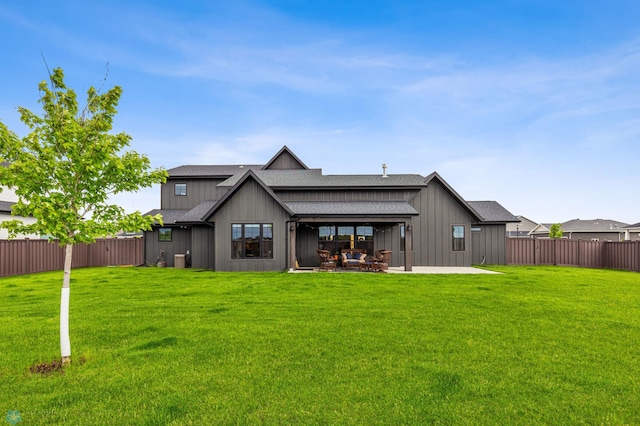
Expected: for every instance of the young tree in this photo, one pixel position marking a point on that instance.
(555, 231)
(64, 170)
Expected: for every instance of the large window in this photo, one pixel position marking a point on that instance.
(164, 234)
(458, 237)
(346, 237)
(180, 189)
(251, 240)
(364, 238)
(327, 237)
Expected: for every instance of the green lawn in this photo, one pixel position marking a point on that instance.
(163, 346)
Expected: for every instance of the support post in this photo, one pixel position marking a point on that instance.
(408, 254)
(292, 245)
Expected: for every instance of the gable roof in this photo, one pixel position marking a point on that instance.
(435, 176)
(492, 211)
(284, 151)
(249, 175)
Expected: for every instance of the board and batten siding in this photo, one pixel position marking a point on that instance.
(250, 204)
(203, 247)
(198, 190)
(179, 244)
(387, 237)
(488, 245)
(285, 161)
(432, 230)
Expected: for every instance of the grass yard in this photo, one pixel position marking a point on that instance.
(162, 346)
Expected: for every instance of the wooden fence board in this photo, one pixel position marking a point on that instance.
(623, 255)
(19, 257)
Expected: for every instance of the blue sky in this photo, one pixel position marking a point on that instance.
(535, 104)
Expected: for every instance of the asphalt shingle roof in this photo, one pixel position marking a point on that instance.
(210, 170)
(593, 225)
(169, 217)
(314, 178)
(351, 208)
(492, 211)
(196, 213)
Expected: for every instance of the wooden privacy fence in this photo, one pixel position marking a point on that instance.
(28, 256)
(590, 254)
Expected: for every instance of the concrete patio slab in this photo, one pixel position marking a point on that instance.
(416, 270)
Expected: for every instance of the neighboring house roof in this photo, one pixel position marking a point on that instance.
(635, 225)
(593, 225)
(5, 206)
(319, 208)
(492, 211)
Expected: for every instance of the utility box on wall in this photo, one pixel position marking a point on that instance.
(179, 261)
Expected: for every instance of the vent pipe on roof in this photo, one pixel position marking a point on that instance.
(384, 170)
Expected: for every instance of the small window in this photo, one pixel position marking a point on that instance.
(180, 189)
(164, 234)
(458, 238)
(476, 229)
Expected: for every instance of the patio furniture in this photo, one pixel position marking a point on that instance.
(384, 258)
(371, 265)
(352, 258)
(326, 260)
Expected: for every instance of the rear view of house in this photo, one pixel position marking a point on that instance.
(276, 216)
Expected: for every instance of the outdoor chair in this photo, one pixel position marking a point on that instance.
(384, 258)
(326, 261)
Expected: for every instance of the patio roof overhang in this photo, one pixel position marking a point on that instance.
(341, 211)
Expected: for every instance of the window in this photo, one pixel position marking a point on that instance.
(164, 234)
(458, 238)
(346, 237)
(180, 189)
(364, 238)
(251, 240)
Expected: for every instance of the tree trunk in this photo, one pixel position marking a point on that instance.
(65, 343)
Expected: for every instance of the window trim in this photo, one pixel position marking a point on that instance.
(160, 234)
(454, 238)
(175, 189)
(242, 240)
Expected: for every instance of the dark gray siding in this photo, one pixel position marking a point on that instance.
(203, 247)
(198, 190)
(346, 195)
(432, 230)
(489, 245)
(387, 237)
(306, 246)
(180, 243)
(285, 161)
(251, 204)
